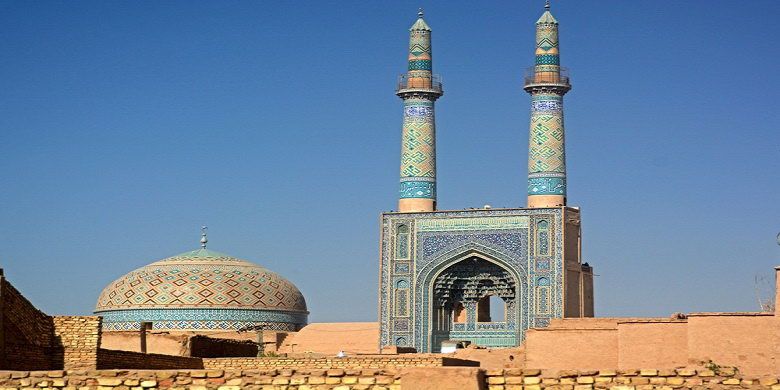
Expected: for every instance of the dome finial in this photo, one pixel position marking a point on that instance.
(420, 13)
(547, 5)
(203, 239)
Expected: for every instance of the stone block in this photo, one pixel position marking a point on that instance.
(648, 372)
(609, 373)
(583, 387)
(731, 381)
(148, 383)
(513, 372)
(675, 381)
(109, 381)
(384, 380)
(585, 380)
(638, 380)
(727, 371)
(706, 373)
(496, 380)
(686, 372)
(280, 381)
(532, 380)
(531, 372)
(768, 381)
(349, 380)
(368, 380)
(336, 372)
(316, 380)
(513, 380)
(532, 387)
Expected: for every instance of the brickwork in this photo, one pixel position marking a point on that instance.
(110, 359)
(77, 339)
(369, 362)
(27, 333)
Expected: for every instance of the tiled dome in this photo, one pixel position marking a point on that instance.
(201, 289)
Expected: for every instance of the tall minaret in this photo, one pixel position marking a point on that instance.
(546, 146)
(419, 89)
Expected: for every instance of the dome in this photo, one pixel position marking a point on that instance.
(202, 289)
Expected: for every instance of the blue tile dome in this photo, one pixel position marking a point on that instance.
(202, 290)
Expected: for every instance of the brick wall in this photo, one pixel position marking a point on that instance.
(27, 333)
(77, 339)
(368, 362)
(109, 359)
(208, 347)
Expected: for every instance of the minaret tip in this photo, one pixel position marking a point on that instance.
(547, 5)
(203, 239)
(420, 13)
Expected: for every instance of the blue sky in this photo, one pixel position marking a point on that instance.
(127, 125)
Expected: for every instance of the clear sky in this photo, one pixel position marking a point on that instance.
(126, 125)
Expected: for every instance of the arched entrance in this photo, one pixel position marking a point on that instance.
(461, 301)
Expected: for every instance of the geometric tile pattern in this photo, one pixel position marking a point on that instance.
(217, 286)
(507, 238)
(205, 319)
(546, 145)
(418, 136)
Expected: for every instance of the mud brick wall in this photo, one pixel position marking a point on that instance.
(368, 362)
(646, 379)
(26, 333)
(109, 359)
(207, 347)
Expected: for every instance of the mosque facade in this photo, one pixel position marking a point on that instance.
(439, 269)
(202, 290)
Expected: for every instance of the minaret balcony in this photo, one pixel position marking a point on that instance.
(419, 85)
(539, 80)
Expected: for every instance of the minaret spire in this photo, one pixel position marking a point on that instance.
(547, 83)
(419, 88)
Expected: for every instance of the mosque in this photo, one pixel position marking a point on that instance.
(439, 270)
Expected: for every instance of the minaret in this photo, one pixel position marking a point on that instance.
(546, 146)
(419, 89)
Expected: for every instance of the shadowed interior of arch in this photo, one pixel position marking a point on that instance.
(475, 300)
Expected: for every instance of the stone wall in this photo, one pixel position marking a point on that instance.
(110, 359)
(720, 378)
(443, 378)
(357, 362)
(206, 379)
